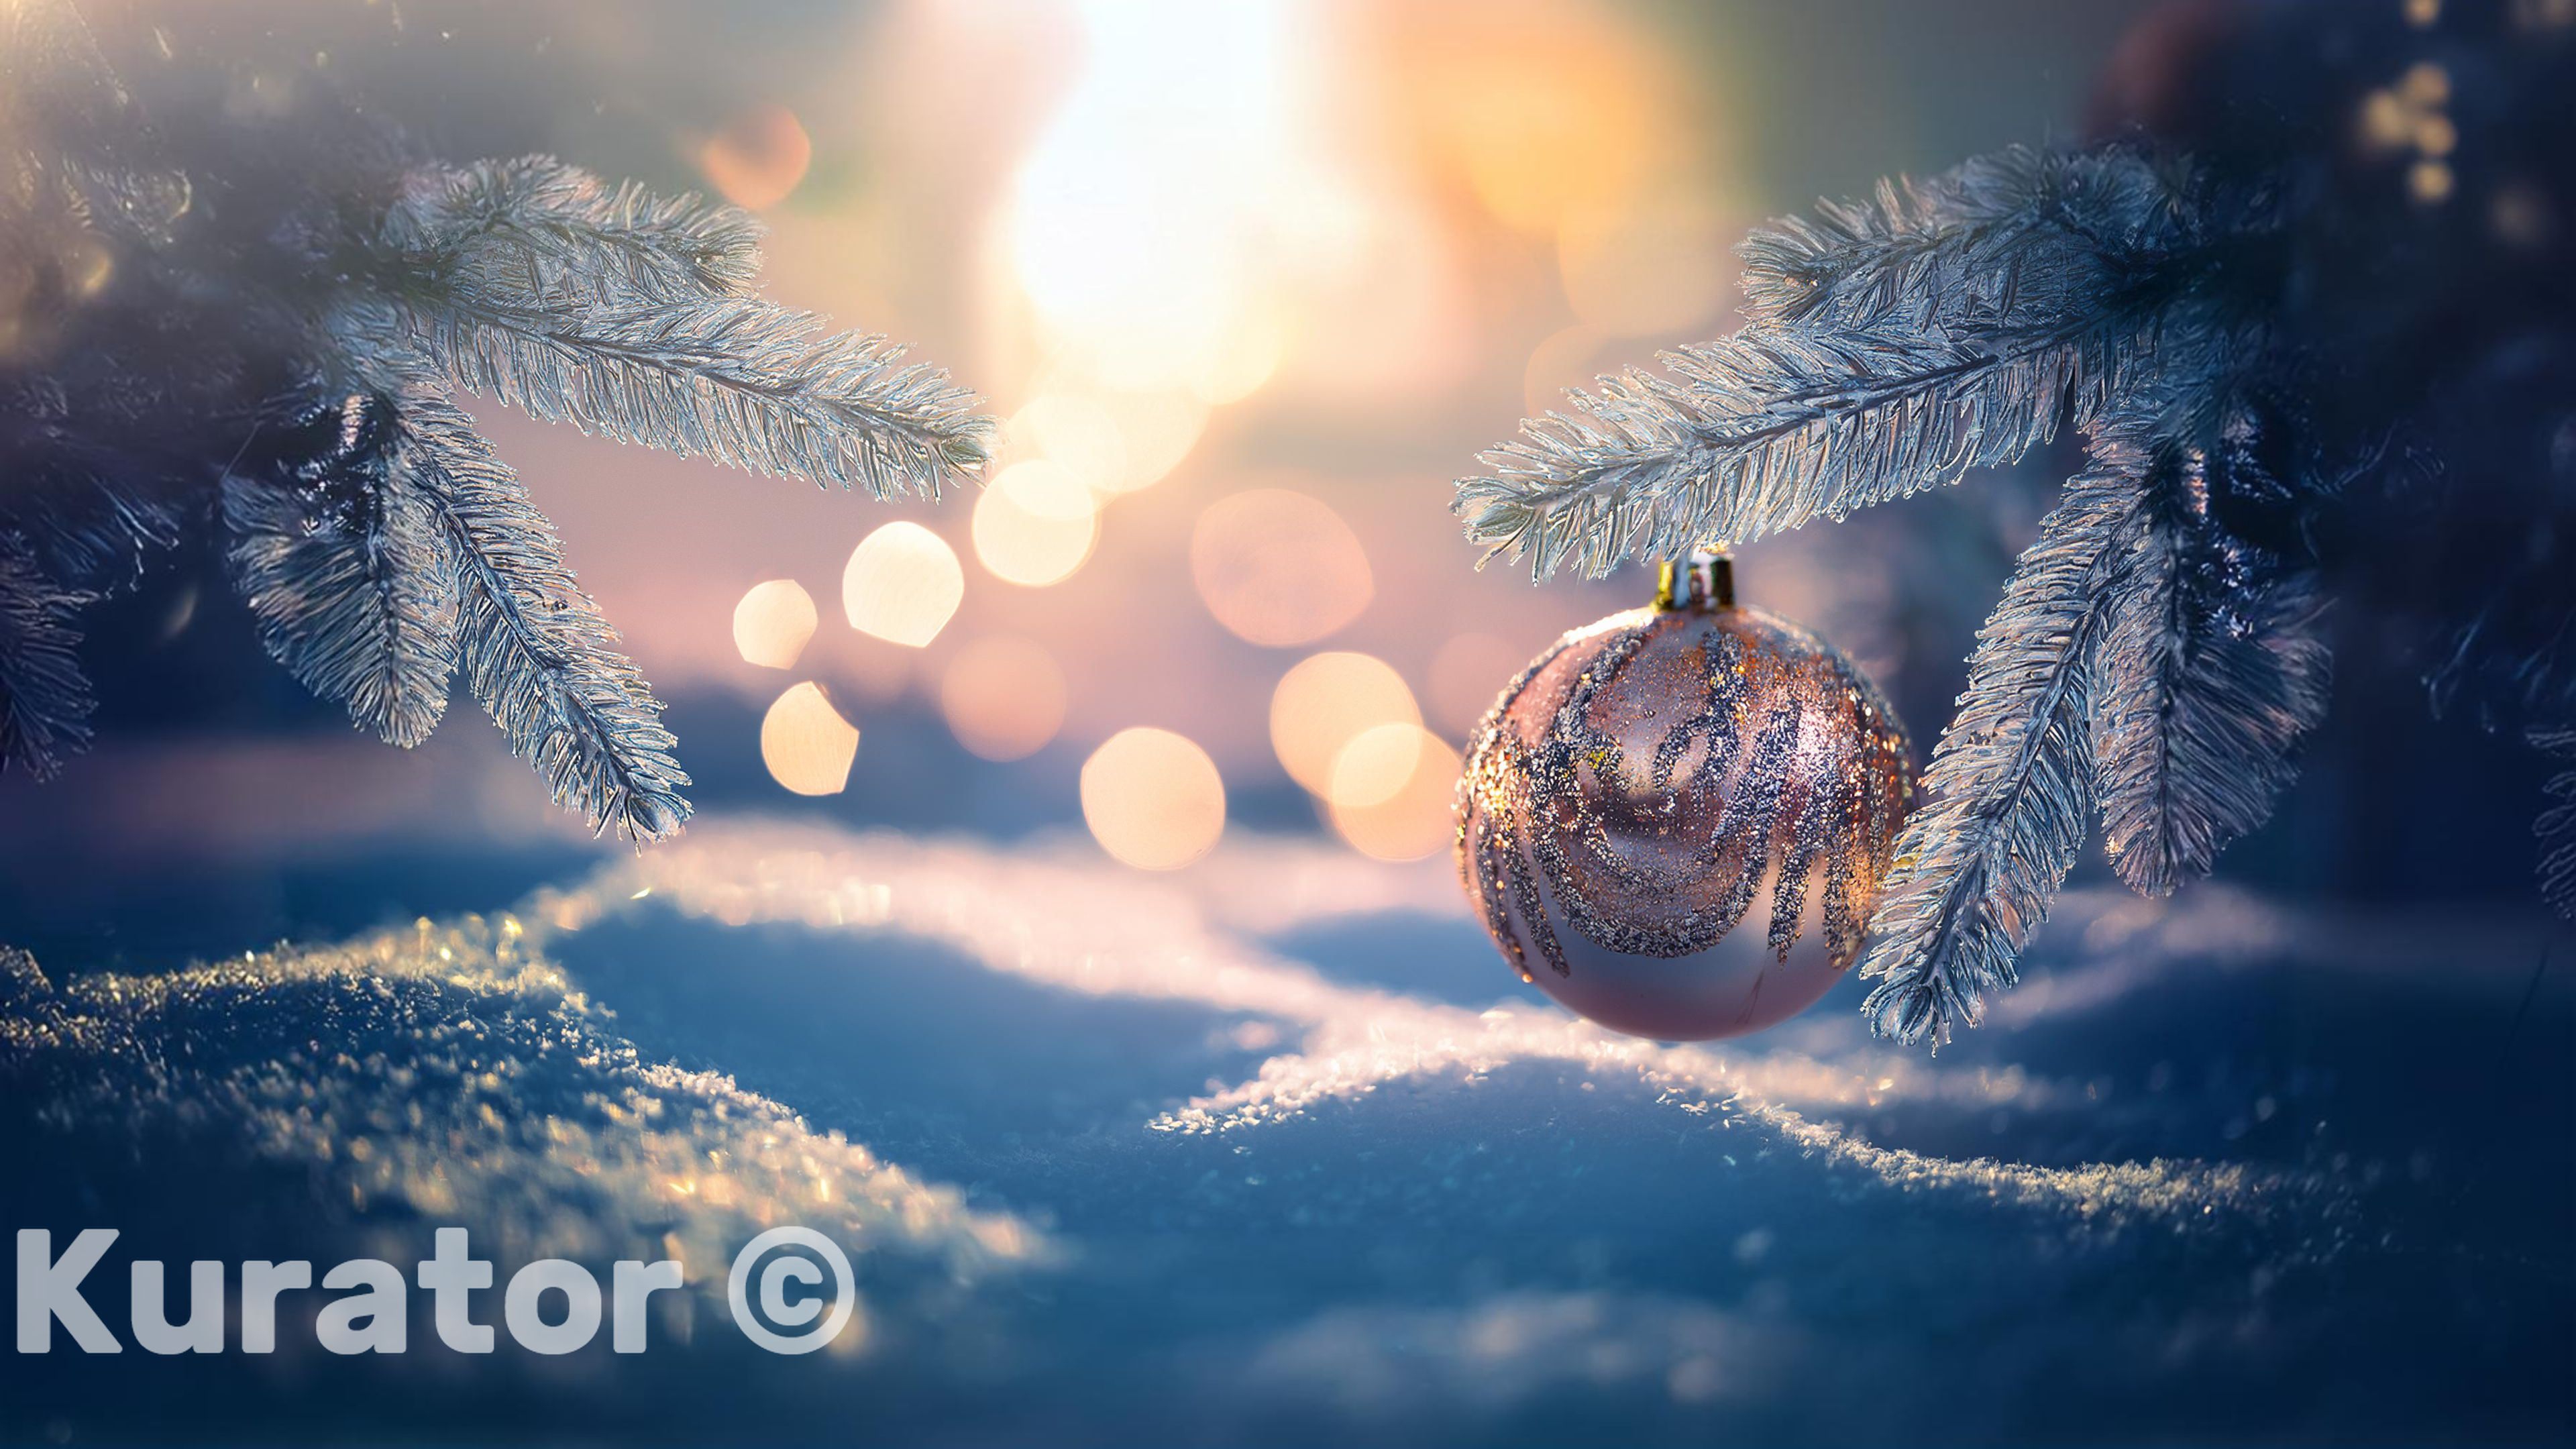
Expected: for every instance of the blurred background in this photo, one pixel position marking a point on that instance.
(1167, 715)
(1250, 284)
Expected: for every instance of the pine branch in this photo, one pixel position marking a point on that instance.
(351, 581)
(2009, 790)
(2020, 233)
(629, 315)
(44, 698)
(1889, 348)
(2557, 824)
(740, 380)
(534, 648)
(1762, 432)
(557, 233)
(2206, 682)
(96, 537)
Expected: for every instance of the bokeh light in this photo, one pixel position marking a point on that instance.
(1376, 764)
(1003, 697)
(1279, 568)
(1412, 820)
(902, 584)
(1113, 439)
(1035, 524)
(1326, 702)
(1545, 109)
(773, 622)
(805, 742)
(1153, 799)
(1173, 195)
(758, 156)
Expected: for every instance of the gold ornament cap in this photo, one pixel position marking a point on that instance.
(1705, 581)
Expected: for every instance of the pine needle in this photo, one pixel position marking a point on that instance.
(535, 650)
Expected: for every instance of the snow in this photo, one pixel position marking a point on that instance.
(1277, 1148)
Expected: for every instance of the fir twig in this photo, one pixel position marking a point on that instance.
(44, 698)
(2206, 683)
(1759, 434)
(2009, 789)
(740, 380)
(2003, 240)
(1889, 348)
(557, 232)
(532, 283)
(2557, 824)
(535, 650)
(352, 583)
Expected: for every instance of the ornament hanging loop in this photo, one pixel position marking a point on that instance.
(1705, 581)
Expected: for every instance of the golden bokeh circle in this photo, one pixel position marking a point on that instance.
(1279, 568)
(1324, 703)
(1153, 799)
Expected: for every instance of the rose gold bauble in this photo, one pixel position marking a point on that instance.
(1675, 820)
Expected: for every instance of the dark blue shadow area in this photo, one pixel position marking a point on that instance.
(1439, 1197)
(1443, 958)
(910, 1047)
(1223, 1288)
(76, 919)
(2453, 1075)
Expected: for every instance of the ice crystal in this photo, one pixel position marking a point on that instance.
(266, 318)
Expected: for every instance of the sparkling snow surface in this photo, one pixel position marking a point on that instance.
(1276, 1149)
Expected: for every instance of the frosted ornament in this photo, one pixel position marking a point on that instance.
(1675, 821)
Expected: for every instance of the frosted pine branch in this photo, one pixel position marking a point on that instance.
(1890, 347)
(44, 697)
(351, 580)
(535, 650)
(556, 233)
(2010, 789)
(2143, 653)
(1761, 433)
(2206, 684)
(263, 314)
(740, 380)
(2019, 234)
(2557, 824)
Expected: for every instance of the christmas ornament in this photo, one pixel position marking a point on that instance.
(2305, 301)
(1675, 820)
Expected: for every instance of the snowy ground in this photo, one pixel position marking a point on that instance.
(1277, 1150)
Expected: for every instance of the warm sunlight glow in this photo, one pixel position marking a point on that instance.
(1328, 701)
(806, 744)
(1546, 110)
(1035, 524)
(1153, 799)
(1165, 223)
(1003, 697)
(772, 623)
(1649, 267)
(902, 584)
(1115, 440)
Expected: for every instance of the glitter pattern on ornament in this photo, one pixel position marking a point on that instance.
(1675, 821)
